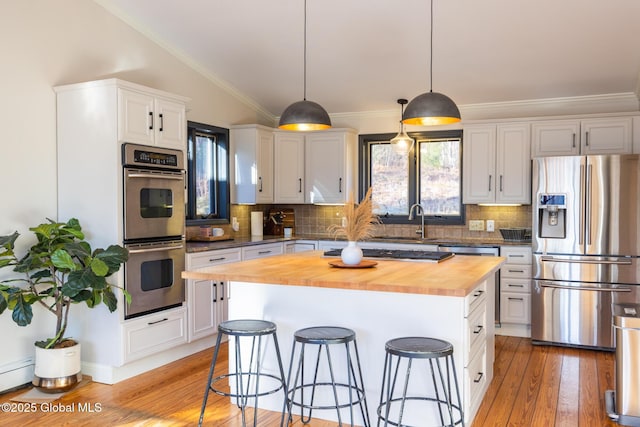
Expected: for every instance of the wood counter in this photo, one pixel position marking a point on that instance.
(453, 277)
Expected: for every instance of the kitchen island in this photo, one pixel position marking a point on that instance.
(451, 300)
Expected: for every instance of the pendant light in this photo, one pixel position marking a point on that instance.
(431, 108)
(402, 143)
(305, 115)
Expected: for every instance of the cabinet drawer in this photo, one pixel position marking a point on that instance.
(516, 254)
(209, 258)
(515, 308)
(262, 251)
(475, 380)
(154, 333)
(515, 271)
(515, 285)
(475, 298)
(475, 334)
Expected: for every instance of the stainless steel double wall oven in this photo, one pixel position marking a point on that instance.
(153, 227)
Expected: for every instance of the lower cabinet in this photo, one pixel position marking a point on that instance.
(515, 285)
(207, 299)
(475, 372)
(154, 333)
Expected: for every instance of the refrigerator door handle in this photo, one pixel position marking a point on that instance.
(582, 206)
(588, 206)
(583, 288)
(623, 261)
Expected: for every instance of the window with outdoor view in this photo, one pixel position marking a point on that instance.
(430, 175)
(207, 174)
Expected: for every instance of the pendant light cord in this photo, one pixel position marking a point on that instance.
(430, 52)
(304, 97)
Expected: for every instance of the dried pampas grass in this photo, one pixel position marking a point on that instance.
(360, 220)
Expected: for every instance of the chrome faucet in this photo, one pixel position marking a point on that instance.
(421, 213)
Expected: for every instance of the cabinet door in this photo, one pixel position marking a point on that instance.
(136, 120)
(264, 178)
(325, 168)
(513, 164)
(607, 136)
(478, 157)
(515, 308)
(202, 297)
(170, 124)
(289, 168)
(555, 138)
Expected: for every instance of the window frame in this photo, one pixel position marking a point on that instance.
(364, 179)
(222, 189)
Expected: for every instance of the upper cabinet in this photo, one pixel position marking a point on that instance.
(611, 135)
(289, 167)
(330, 166)
(252, 164)
(497, 164)
(147, 118)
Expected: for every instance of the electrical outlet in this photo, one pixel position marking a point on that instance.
(476, 225)
(490, 226)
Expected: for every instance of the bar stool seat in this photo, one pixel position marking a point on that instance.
(345, 392)
(245, 378)
(393, 403)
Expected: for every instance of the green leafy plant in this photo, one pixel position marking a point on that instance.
(59, 270)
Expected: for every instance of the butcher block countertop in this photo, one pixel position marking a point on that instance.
(456, 276)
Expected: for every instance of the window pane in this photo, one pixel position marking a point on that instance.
(440, 164)
(389, 180)
(204, 175)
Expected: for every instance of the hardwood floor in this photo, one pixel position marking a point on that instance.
(532, 386)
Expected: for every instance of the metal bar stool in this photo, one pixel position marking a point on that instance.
(246, 378)
(392, 405)
(343, 395)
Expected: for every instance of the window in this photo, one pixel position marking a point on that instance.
(207, 174)
(430, 174)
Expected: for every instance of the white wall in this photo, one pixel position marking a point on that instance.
(46, 43)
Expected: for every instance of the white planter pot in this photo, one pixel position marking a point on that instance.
(57, 369)
(352, 254)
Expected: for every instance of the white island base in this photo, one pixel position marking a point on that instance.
(376, 317)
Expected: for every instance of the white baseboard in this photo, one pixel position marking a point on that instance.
(16, 373)
(513, 330)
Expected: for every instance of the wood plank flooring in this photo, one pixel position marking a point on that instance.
(532, 386)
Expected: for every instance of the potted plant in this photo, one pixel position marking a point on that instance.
(58, 270)
(359, 225)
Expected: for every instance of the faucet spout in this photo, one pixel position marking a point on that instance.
(418, 207)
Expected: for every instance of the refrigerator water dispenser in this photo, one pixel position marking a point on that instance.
(552, 217)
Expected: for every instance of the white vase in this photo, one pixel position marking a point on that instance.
(352, 254)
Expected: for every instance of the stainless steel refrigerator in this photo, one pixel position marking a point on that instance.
(586, 236)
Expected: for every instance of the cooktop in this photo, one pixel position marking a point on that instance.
(399, 254)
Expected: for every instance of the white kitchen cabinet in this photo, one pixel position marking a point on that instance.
(262, 251)
(330, 166)
(608, 135)
(252, 164)
(147, 118)
(497, 164)
(515, 285)
(289, 167)
(300, 246)
(207, 300)
(154, 333)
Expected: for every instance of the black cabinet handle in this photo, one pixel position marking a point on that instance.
(340, 186)
(478, 329)
(157, 321)
(299, 185)
(161, 122)
(260, 188)
(479, 377)
(150, 119)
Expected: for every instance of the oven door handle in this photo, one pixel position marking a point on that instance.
(155, 249)
(156, 175)
(586, 261)
(583, 288)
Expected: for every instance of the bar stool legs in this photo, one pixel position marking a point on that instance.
(391, 409)
(323, 337)
(247, 378)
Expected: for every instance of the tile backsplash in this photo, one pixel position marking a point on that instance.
(314, 220)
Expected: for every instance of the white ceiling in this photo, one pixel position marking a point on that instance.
(362, 55)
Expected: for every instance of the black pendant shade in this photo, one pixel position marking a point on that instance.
(305, 115)
(431, 108)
